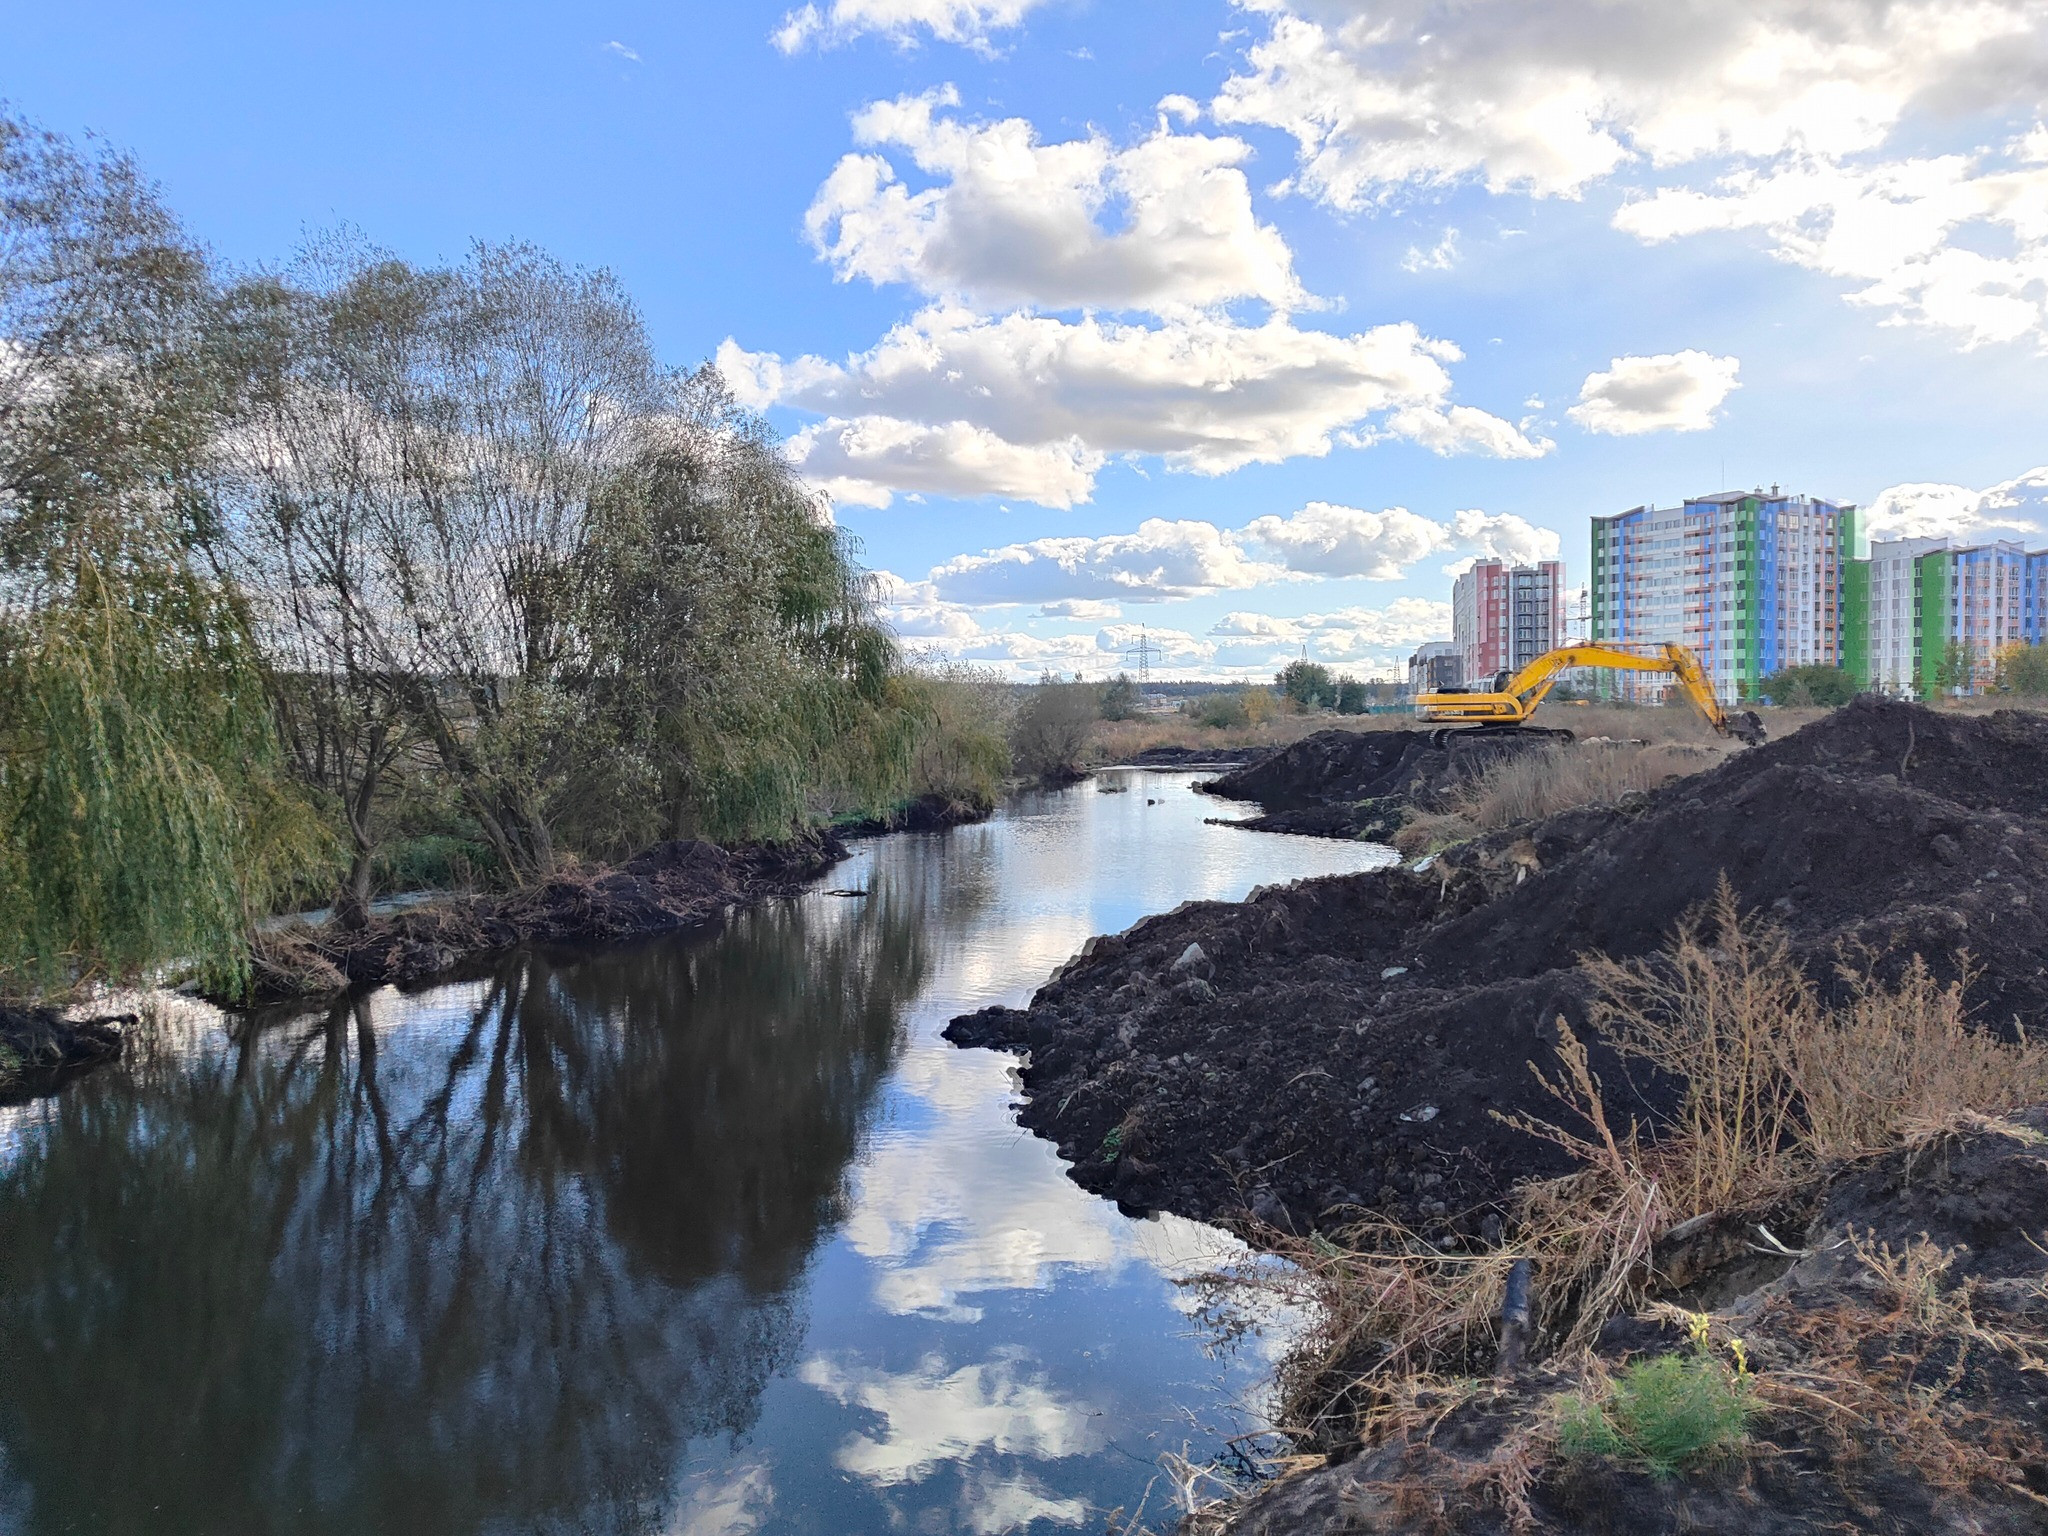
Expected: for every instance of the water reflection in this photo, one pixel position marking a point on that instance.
(711, 1235)
(494, 1278)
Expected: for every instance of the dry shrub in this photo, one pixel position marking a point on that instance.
(1903, 1060)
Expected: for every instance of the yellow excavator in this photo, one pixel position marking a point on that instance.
(1510, 703)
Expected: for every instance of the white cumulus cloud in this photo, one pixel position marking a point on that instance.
(1203, 392)
(2012, 509)
(1550, 97)
(1326, 540)
(1161, 223)
(1670, 392)
(1161, 561)
(1165, 561)
(970, 23)
(866, 461)
(1956, 241)
(1803, 98)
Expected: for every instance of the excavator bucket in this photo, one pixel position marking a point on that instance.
(1747, 727)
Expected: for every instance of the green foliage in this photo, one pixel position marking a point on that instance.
(961, 749)
(2023, 669)
(1232, 709)
(1353, 697)
(1120, 698)
(361, 546)
(1957, 668)
(1800, 687)
(436, 861)
(1049, 736)
(1667, 1413)
(1113, 1144)
(1308, 684)
(140, 820)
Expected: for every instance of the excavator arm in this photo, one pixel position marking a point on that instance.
(1513, 699)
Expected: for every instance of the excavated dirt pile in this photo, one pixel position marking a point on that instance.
(1341, 1043)
(669, 886)
(1889, 1359)
(1361, 783)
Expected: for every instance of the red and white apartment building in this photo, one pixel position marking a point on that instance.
(1504, 616)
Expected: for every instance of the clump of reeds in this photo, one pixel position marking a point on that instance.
(1532, 785)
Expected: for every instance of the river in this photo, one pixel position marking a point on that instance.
(710, 1234)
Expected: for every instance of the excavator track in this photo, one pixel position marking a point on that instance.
(1443, 736)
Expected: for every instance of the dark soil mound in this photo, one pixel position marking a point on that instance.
(669, 886)
(1343, 1041)
(1361, 783)
(1946, 1354)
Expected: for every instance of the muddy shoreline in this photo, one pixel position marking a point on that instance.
(40, 1047)
(1344, 1044)
(668, 887)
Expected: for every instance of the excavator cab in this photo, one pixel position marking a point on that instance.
(1512, 700)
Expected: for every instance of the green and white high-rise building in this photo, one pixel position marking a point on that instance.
(1939, 613)
(1751, 581)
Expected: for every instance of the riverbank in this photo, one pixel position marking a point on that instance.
(39, 1046)
(1404, 1006)
(669, 886)
(1869, 1358)
(1341, 1070)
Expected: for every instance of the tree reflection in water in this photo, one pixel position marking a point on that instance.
(483, 1260)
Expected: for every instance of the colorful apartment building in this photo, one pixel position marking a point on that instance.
(1937, 614)
(1504, 616)
(1751, 581)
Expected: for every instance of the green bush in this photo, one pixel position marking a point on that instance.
(1049, 734)
(435, 862)
(1233, 709)
(1308, 683)
(2023, 669)
(1804, 686)
(1666, 1414)
(1120, 698)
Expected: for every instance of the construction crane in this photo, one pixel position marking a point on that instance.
(1511, 702)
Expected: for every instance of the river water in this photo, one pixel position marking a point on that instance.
(711, 1234)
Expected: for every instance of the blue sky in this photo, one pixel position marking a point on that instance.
(1221, 368)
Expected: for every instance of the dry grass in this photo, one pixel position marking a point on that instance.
(1780, 1089)
(1895, 1371)
(1116, 741)
(1533, 785)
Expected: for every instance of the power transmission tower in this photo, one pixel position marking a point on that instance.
(1142, 653)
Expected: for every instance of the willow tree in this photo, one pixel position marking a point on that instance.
(138, 820)
(474, 512)
(318, 491)
(733, 655)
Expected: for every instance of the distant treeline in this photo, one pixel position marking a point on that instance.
(351, 572)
